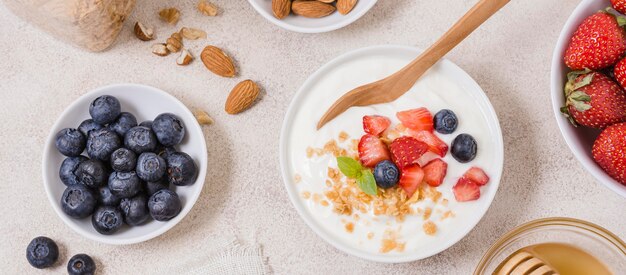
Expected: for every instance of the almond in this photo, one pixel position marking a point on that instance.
(241, 97)
(312, 9)
(326, 1)
(143, 32)
(281, 8)
(345, 6)
(185, 58)
(170, 15)
(217, 61)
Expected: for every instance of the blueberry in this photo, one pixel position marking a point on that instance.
(81, 264)
(91, 173)
(181, 170)
(169, 129)
(107, 198)
(101, 144)
(153, 187)
(150, 167)
(67, 172)
(87, 126)
(135, 210)
(464, 148)
(107, 220)
(386, 174)
(42, 252)
(124, 184)
(105, 109)
(147, 123)
(445, 121)
(70, 142)
(123, 160)
(140, 139)
(164, 205)
(78, 201)
(163, 151)
(123, 123)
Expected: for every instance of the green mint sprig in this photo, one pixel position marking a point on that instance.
(363, 176)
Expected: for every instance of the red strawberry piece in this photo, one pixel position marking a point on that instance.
(435, 144)
(619, 5)
(477, 175)
(620, 72)
(411, 179)
(435, 171)
(609, 150)
(406, 150)
(372, 150)
(466, 190)
(417, 119)
(598, 43)
(593, 100)
(374, 125)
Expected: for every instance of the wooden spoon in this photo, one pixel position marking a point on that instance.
(390, 88)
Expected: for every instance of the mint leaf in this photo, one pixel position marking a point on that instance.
(367, 183)
(349, 167)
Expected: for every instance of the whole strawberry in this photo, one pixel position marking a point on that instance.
(619, 5)
(599, 42)
(593, 100)
(609, 151)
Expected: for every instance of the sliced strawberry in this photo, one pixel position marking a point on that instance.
(435, 171)
(477, 175)
(419, 119)
(406, 150)
(372, 150)
(466, 190)
(374, 125)
(435, 144)
(411, 179)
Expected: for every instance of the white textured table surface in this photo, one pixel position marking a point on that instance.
(509, 57)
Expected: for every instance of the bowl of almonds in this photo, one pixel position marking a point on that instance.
(312, 16)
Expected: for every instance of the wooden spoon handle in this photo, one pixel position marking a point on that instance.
(461, 29)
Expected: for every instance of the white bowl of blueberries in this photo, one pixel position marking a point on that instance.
(124, 163)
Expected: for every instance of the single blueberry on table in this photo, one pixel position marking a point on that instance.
(169, 129)
(70, 142)
(87, 126)
(124, 184)
(164, 205)
(150, 167)
(78, 201)
(107, 198)
(123, 160)
(464, 148)
(123, 123)
(81, 264)
(42, 252)
(107, 220)
(386, 174)
(67, 172)
(445, 121)
(140, 139)
(153, 187)
(92, 173)
(181, 169)
(105, 109)
(147, 123)
(101, 144)
(135, 210)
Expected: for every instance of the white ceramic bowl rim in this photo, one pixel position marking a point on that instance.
(149, 235)
(309, 220)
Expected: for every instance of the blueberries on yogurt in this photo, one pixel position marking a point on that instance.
(464, 148)
(445, 121)
(70, 142)
(386, 174)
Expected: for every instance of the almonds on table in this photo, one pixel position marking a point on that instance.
(312, 9)
(207, 8)
(217, 61)
(170, 15)
(160, 49)
(143, 32)
(345, 6)
(202, 117)
(185, 58)
(241, 97)
(281, 8)
(174, 43)
(192, 34)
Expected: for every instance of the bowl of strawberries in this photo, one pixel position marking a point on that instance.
(588, 84)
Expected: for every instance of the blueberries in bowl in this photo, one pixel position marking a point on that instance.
(124, 184)
(147, 123)
(445, 121)
(123, 160)
(464, 148)
(105, 109)
(140, 139)
(70, 142)
(81, 264)
(87, 126)
(107, 198)
(91, 173)
(164, 205)
(78, 201)
(135, 210)
(42, 252)
(169, 129)
(101, 144)
(67, 172)
(123, 123)
(107, 220)
(150, 167)
(181, 170)
(154, 186)
(386, 174)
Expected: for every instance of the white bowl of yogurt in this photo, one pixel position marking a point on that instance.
(444, 86)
